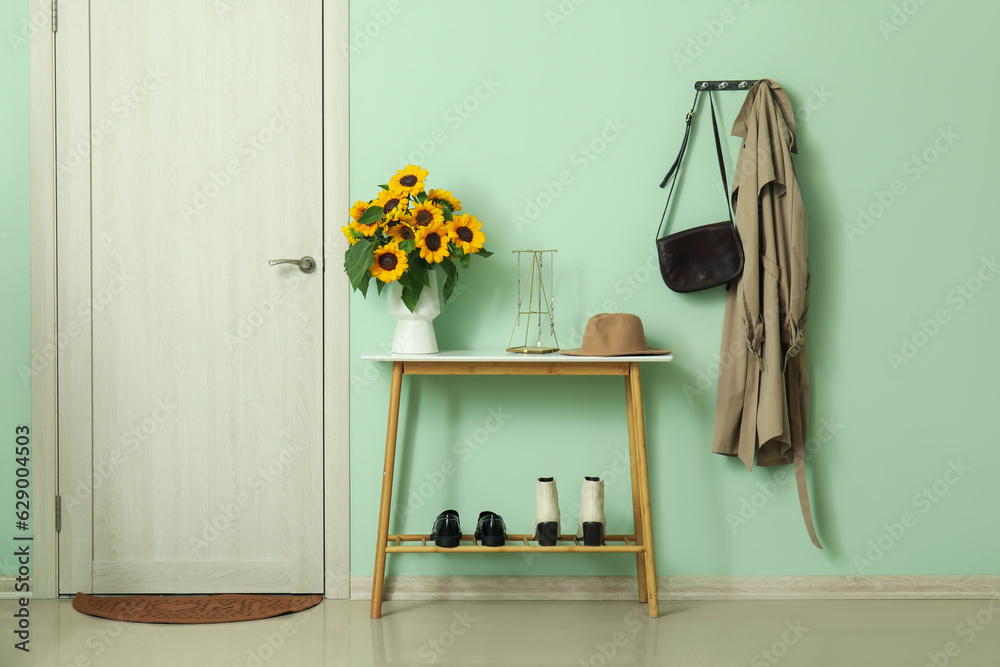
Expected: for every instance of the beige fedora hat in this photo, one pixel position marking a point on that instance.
(614, 335)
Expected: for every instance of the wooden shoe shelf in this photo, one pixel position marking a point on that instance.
(490, 363)
(398, 544)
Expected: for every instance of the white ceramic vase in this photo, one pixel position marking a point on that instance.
(415, 331)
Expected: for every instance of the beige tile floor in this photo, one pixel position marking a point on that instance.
(717, 634)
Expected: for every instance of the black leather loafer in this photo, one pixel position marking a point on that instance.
(447, 530)
(490, 530)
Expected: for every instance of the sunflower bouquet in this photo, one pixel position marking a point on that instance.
(405, 232)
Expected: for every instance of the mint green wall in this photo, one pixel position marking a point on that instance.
(554, 87)
(868, 98)
(15, 322)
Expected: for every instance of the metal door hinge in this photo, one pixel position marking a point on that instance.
(55, 15)
(58, 513)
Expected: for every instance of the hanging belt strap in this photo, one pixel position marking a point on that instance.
(675, 167)
(798, 454)
(684, 143)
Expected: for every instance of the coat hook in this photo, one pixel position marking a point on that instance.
(743, 84)
(723, 85)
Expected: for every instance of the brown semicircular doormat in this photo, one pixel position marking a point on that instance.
(225, 608)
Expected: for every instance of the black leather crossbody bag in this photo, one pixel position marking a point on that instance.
(702, 257)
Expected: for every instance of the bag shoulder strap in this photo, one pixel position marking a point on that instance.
(722, 161)
(675, 167)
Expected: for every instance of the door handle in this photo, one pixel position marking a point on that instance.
(306, 265)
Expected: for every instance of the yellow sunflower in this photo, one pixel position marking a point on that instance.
(390, 262)
(402, 232)
(445, 196)
(432, 241)
(408, 181)
(426, 213)
(393, 204)
(366, 230)
(465, 230)
(359, 209)
(352, 233)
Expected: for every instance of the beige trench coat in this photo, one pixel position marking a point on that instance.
(762, 405)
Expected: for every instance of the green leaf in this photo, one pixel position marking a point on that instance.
(371, 216)
(379, 285)
(364, 283)
(411, 295)
(451, 271)
(447, 212)
(407, 246)
(465, 260)
(418, 274)
(405, 280)
(357, 260)
(384, 186)
(421, 197)
(483, 252)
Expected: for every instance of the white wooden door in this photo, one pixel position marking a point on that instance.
(207, 362)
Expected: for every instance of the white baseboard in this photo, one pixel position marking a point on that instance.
(889, 587)
(7, 588)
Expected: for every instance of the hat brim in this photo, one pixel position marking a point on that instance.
(637, 353)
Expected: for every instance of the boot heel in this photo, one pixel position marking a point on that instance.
(548, 533)
(592, 533)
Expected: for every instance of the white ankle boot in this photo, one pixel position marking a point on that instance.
(592, 519)
(546, 512)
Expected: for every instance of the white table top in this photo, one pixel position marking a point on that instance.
(503, 356)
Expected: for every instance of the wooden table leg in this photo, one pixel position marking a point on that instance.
(647, 519)
(387, 470)
(633, 457)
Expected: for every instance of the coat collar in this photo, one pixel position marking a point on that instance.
(769, 93)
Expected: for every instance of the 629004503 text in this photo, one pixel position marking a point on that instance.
(22, 538)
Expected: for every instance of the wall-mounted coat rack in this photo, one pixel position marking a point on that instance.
(743, 84)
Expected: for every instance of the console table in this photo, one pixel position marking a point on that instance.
(507, 363)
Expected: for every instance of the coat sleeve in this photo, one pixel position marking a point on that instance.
(797, 309)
